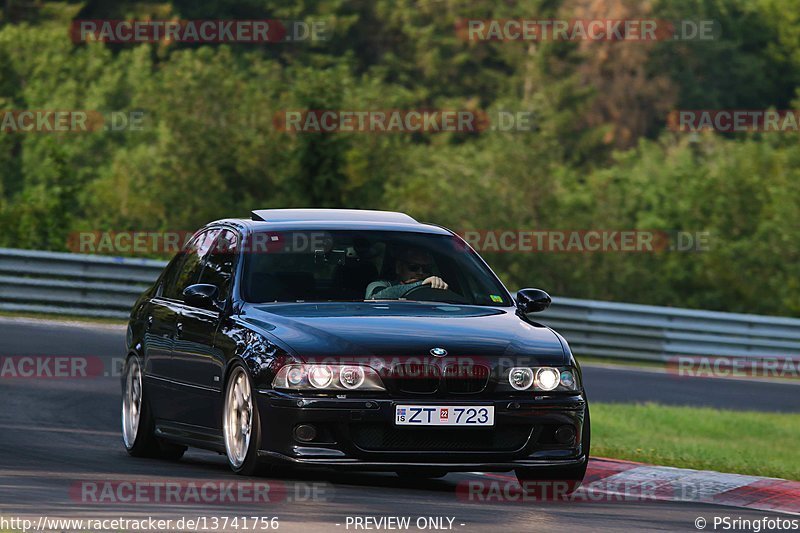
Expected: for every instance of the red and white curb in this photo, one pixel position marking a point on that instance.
(682, 484)
(609, 480)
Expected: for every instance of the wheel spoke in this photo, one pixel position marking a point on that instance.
(238, 418)
(131, 403)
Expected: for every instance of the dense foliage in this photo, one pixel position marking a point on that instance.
(600, 155)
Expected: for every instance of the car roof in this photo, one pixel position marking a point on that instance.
(334, 219)
(330, 215)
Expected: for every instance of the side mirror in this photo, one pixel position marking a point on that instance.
(532, 301)
(202, 295)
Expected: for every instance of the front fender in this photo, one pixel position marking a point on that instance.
(262, 357)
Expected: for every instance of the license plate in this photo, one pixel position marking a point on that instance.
(449, 415)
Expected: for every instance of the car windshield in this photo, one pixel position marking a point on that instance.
(303, 266)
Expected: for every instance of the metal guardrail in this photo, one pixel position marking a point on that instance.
(99, 286)
(73, 284)
(646, 332)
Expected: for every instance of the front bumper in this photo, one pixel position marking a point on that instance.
(360, 434)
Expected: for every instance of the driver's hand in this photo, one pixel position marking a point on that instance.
(435, 282)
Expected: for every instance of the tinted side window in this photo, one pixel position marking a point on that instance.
(220, 263)
(188, 268)
(169, 274)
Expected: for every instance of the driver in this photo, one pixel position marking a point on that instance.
(412, 267)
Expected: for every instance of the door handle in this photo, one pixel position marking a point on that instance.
(178, 329)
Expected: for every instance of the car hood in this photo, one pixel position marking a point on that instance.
(397, 329)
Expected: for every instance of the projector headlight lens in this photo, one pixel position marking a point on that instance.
(521, 378)
(547, 379)
(351, 377)
(295, 375)
(320, 376)
(567, 379)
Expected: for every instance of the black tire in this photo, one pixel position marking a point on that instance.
(573, 475)
(145, 443)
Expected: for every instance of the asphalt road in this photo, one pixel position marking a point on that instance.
(627, 385)
(59, 436)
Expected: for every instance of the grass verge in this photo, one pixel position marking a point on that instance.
(761, 444)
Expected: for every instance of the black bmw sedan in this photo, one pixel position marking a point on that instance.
(349, 339)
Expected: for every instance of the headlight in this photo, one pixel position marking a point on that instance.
(295, 375)
(520, 378)
(542, 378)
(547, 379)
(327, 377)
(320, 376)
(352, 377)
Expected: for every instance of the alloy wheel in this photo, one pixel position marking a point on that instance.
(238, 419)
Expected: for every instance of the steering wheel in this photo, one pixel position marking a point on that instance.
(428, 293)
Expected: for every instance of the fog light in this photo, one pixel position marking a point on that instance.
(565, 435)
(305, 433)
